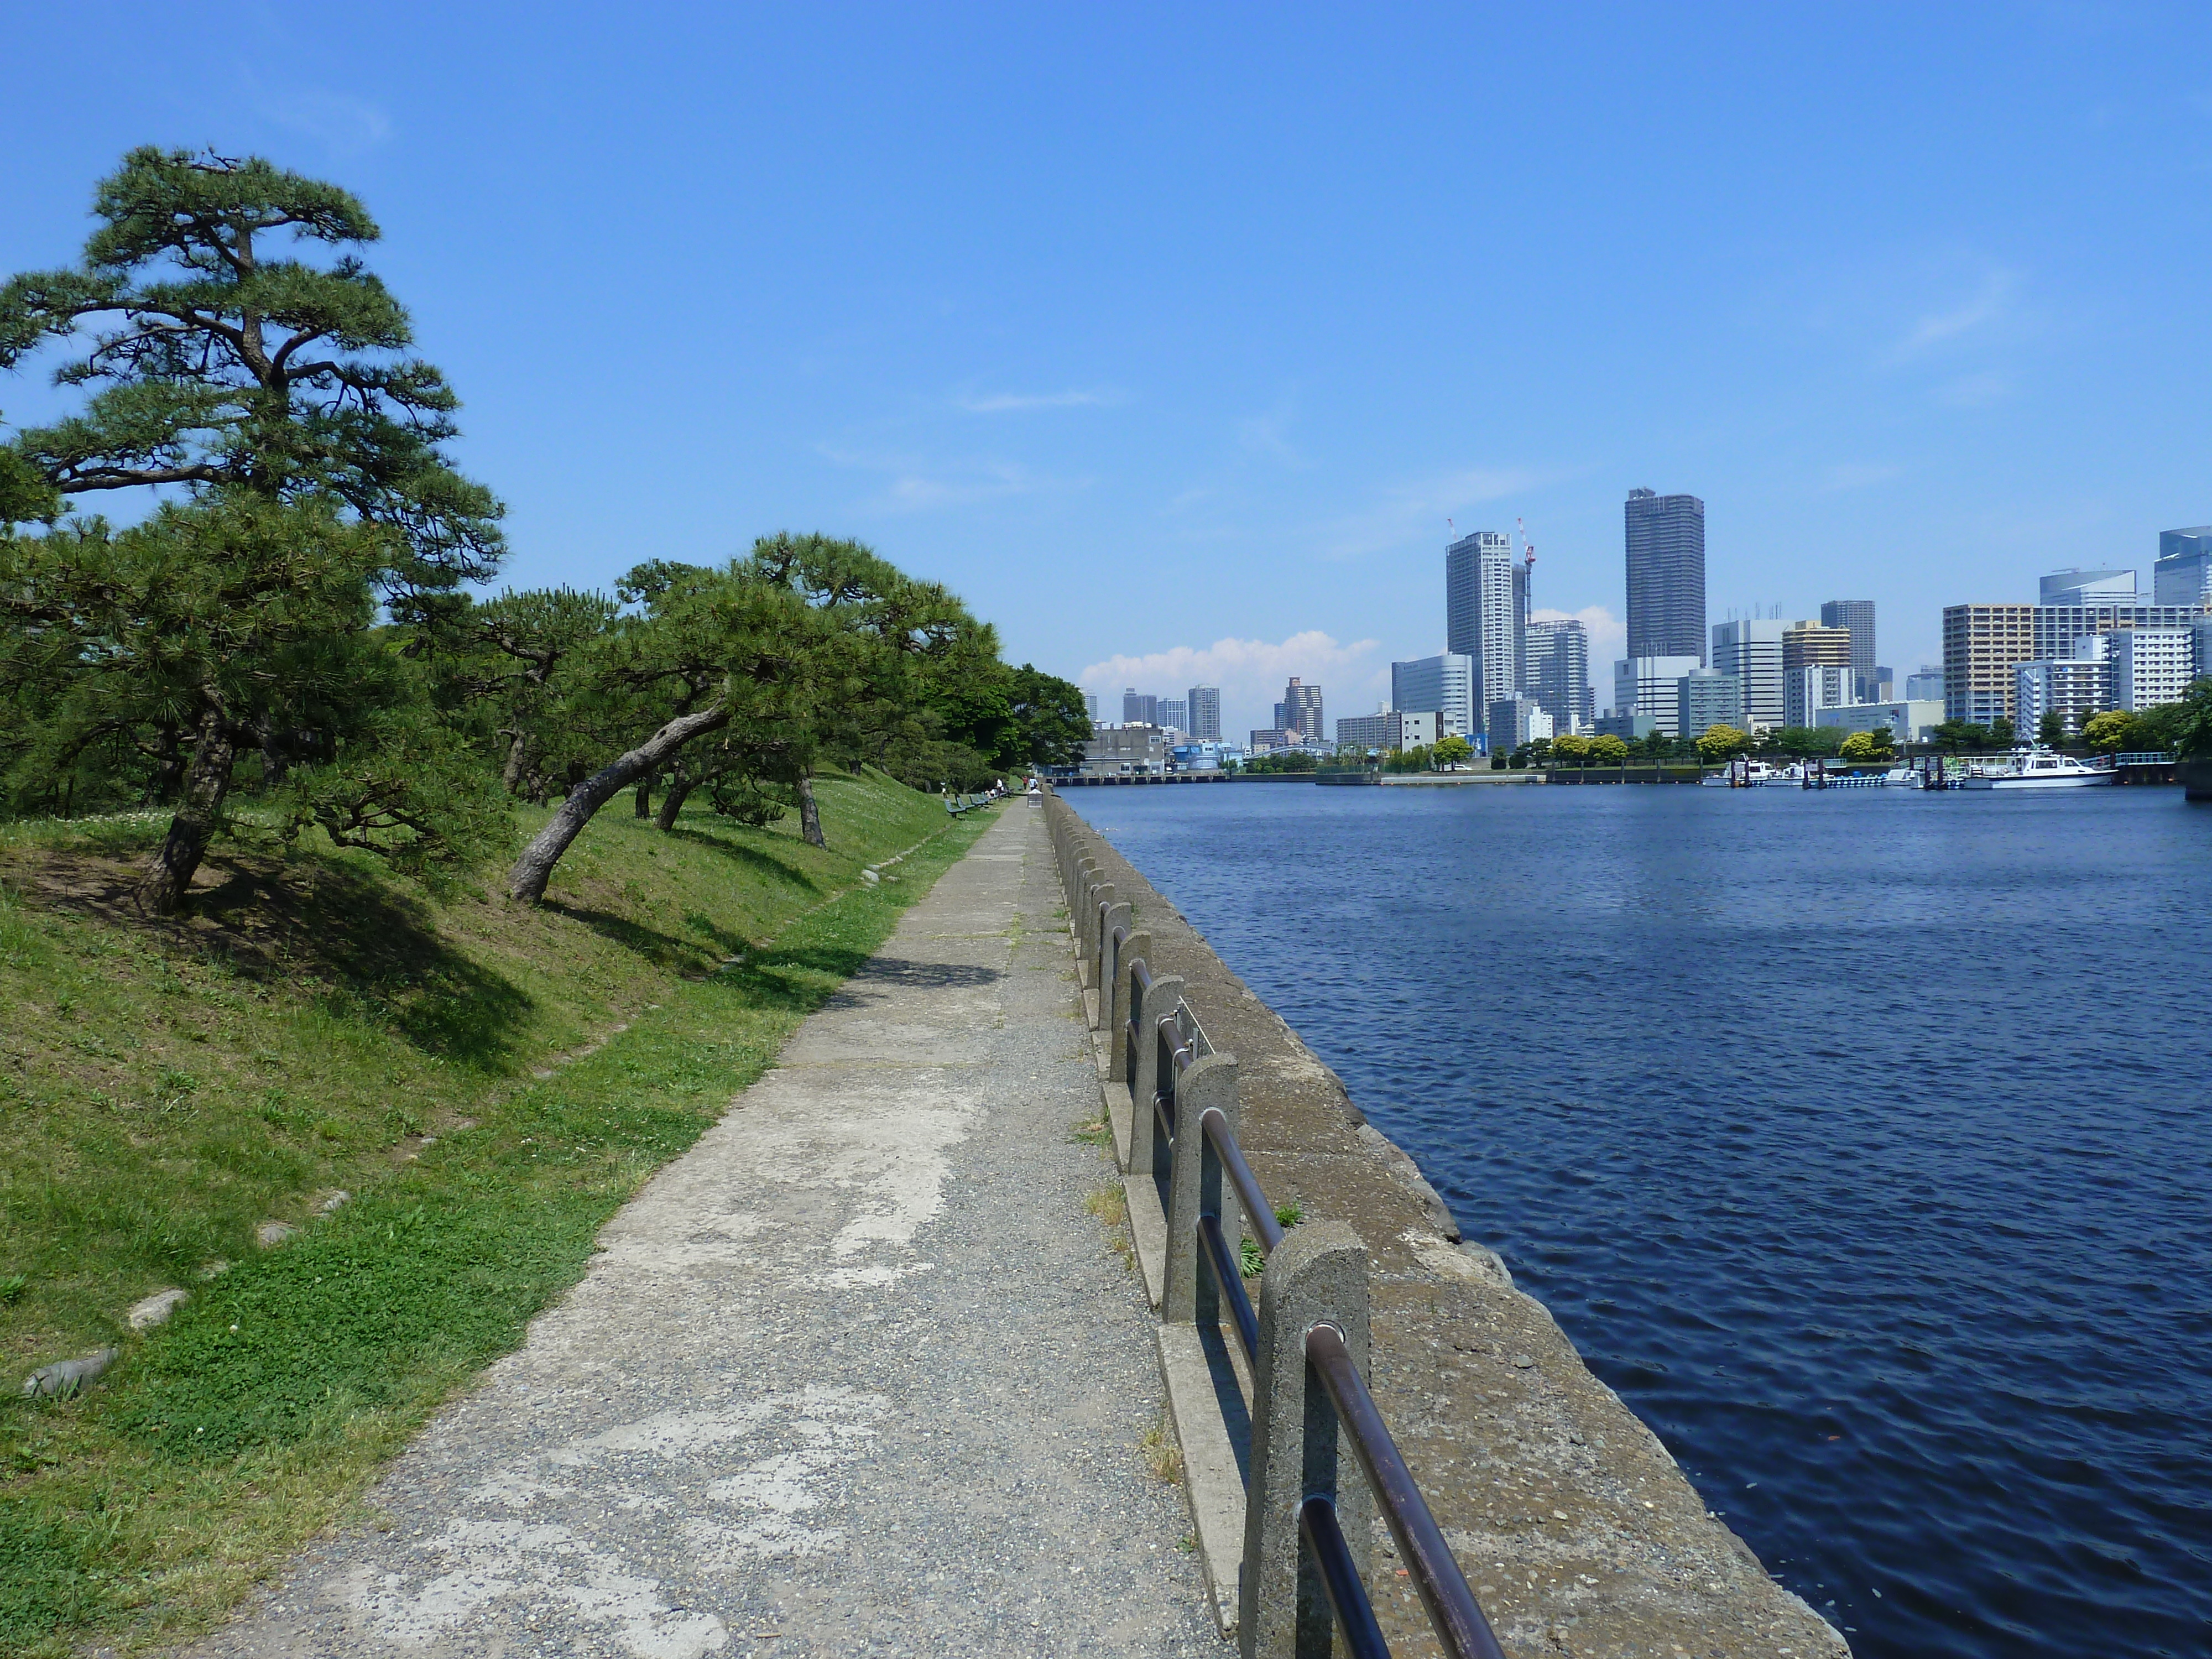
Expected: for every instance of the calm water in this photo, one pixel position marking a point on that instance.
(1859, 1140)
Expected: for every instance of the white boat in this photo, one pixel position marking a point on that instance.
(2039, 769)
(1752, 774)
(1901, 777)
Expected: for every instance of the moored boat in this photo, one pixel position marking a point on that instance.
(2039, 769)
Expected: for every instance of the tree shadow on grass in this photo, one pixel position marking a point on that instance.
(373, 951)
(670, 950)
(759, 859)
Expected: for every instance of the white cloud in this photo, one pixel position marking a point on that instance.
(1988, 305)
(1856, 475)
(1000, 403)
(1414, 513)
(1250, 673)
(1608, 636)
(916, 485)
(342, 124)
(1974, 391)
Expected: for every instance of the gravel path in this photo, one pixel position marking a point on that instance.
(857, 1375)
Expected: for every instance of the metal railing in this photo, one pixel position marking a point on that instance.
(1312, 1418)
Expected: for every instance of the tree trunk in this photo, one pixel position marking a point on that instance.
(510, 776)
(810, 815)
(197, 814)
(641, 803)
(672, 799)
(526, 881)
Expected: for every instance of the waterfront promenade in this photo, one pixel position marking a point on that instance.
(857, 1375)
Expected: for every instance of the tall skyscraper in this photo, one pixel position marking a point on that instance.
(1140, 710)
(1443, 686)
(1751, 649)
(1666, 575)
(1090, 702)
(1856, 616)
(1173, 714)
(1203, 705)
(1300, 710)
(1558, 655)
(1483, 615)
(2183, 575)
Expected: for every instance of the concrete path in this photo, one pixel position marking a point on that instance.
(855, 1375)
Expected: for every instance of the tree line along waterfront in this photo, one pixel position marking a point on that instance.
(292, 627)
(337, 1011)
(2183, 729)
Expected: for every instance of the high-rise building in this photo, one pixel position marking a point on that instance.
(1443, 686)
(1140, 710)
(1300, 709)
(1558, 655)
(2089, 588)
(1926, 685)
(2201, 628)
(1814, 645)
(1982, 645)
(1202, 704)
(2054, 628)
(2151, 667)
(1751, 649)
(2183, 575)
(1856, 617)
(1483, 617)
(1645, 685)
(1173, 714)
(1705, 698)
(1666, 575)
(1807, 691)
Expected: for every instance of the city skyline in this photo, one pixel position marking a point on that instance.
(1900, 359)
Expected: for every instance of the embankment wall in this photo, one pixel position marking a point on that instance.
(1578, 1532)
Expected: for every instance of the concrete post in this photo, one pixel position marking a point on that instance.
(1145, 1075)
(1316, 1275)
(1138, 947)
(1109, 962)
(1100, 899)
(1189, 1295)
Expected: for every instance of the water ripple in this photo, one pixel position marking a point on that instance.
(1858, 1141)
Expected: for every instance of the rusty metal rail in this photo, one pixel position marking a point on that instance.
(1453, 1611)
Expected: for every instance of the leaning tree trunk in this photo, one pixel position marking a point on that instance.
(672, 797)
(526, 881)
(810, 815)
(205, 785)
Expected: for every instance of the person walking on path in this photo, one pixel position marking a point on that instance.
(856, 1374)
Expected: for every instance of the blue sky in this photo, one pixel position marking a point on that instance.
(1172, 338)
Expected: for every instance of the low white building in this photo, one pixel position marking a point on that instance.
(1911, 721)
(1389, 728)
(2073, 687)
(1118, 751)
(2151, 667)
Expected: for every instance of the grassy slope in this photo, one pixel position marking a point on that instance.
(490, 1084)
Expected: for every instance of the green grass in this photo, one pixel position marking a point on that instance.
(452, 1063)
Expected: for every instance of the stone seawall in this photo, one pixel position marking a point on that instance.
(1578, 1532)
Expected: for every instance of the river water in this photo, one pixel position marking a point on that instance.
(1859, 1140)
